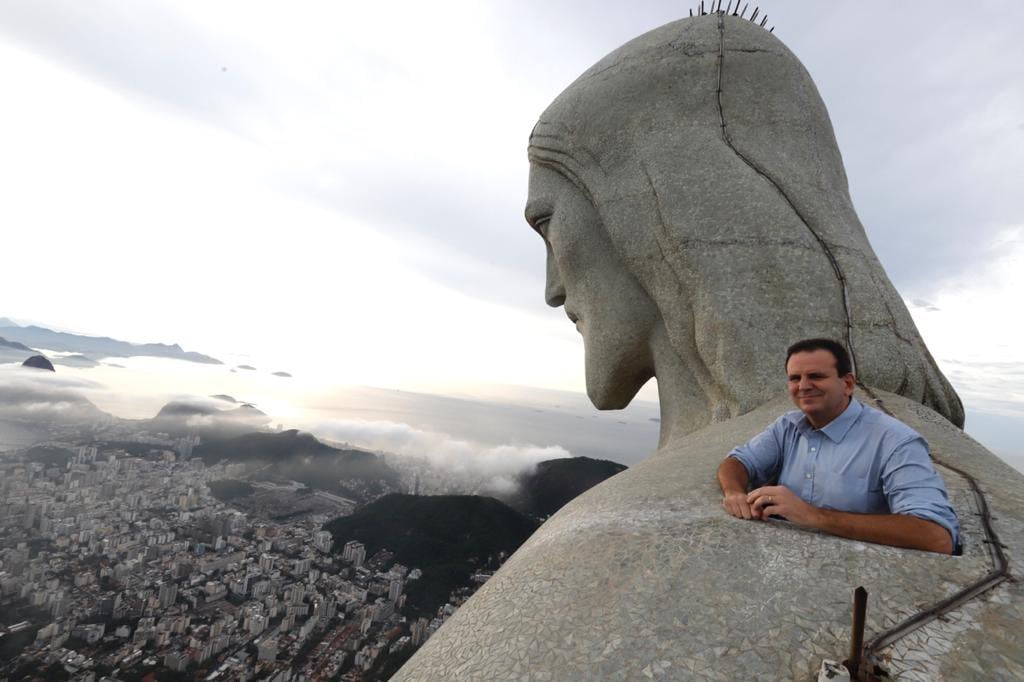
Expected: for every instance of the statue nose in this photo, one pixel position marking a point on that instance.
(554, 290)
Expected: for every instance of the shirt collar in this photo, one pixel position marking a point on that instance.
(837, 429)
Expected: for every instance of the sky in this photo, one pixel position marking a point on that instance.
(336, 189)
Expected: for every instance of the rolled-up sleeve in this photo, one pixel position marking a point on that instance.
(761, 456)
(913, 486)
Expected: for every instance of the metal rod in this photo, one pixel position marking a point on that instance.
(719, 8)
(764, 21)
(754, 15)
(745, 5)
(728, 7)
(860, 605)
(771, 30)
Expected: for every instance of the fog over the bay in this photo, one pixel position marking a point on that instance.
(478, 442)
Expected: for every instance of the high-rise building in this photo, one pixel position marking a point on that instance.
(322, 540)
(168, 594)
(419, 631)
(176, 660)
(257, 623)
(307, 627)
(355, 552)
(181, 568)
(382, 610)
(31, 512)
(217, 628)
(395, 589)
(267, 649)
(295, 593)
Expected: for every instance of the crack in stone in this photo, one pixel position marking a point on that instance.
(760, 171)
(701, 371)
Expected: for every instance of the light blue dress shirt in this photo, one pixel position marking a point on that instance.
(862, 461)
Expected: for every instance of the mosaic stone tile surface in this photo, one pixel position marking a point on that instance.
(647, 577)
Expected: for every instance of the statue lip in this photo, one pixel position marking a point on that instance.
(573, 317)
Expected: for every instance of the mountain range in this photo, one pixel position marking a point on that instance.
(95, 346)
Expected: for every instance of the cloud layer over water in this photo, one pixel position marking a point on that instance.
(496, 466)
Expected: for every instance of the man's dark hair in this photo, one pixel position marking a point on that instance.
(838, 351)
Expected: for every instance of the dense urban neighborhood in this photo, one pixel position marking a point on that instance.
(117, 562)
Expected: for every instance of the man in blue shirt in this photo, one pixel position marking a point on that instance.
(842, 467)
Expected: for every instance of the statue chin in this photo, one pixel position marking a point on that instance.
(615, 390)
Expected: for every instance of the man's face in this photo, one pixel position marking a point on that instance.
(816, 387)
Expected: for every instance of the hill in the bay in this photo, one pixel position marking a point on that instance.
(185, 408)
(448, 537)
(297, 456)
(207, 419)
(548, 487)
(38, 362)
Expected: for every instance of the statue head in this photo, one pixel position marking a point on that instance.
(689, 187)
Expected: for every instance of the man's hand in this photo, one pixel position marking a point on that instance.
(732, 476)
(736, 504)
(780, 500)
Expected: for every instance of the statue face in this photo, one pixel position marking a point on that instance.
(601, 296)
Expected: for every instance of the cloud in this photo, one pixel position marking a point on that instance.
(490, 467)
(992, 387)
(155, 54)
(974, 333)
(390, 124)
(298, 108)
(925, 305)
(37, 396)
(27, 376)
